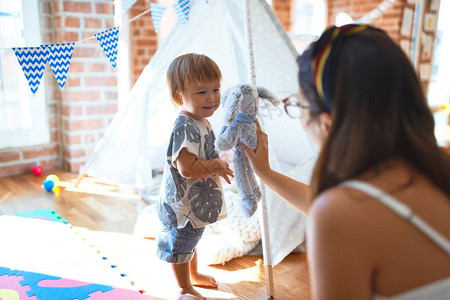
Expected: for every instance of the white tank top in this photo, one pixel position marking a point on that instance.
(437, 290)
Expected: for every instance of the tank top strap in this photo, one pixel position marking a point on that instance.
(400, 209)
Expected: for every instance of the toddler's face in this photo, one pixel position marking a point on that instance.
(201, 98)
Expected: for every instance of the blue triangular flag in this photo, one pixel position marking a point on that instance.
(182, 9)
(157, 11)
(127, 4)
(59, 59)
(108, 40)
(32, 60)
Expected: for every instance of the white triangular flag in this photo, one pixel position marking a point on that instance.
(59, 59)
(157, 11)
(182, 9)
(32, 60)
(127, 4)
(108, 40)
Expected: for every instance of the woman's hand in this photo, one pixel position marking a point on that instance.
(259, 158)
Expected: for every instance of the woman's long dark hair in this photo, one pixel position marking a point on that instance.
(379, 112)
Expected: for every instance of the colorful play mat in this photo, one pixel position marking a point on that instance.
(55, 260)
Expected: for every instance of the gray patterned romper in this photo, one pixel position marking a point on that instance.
(186, 206)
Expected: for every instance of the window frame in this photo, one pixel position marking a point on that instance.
(39, 129)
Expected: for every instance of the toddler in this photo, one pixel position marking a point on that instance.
(191, 193)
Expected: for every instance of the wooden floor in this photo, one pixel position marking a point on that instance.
(106, 209)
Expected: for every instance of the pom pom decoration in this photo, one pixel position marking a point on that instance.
(37, 170)
(48, 185)
(53, 178)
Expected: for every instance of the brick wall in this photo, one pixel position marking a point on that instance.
(282, 9)
(143, 39)
(390, 20)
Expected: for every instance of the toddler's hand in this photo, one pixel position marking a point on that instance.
(221, 168)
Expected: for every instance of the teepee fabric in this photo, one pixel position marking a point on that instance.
(32, 60)
(182, 9)
(108, 40)
(136, 140)
(157, 12)
(59, 59)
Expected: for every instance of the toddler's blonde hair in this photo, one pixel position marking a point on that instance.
(189, 68)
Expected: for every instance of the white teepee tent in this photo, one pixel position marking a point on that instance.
(136, 140)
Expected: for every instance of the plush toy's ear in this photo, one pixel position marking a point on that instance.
(268, 95)
(231, 101)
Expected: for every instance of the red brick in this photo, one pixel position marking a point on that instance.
(92, 23)
(57, 22)
(72, 82)
(40, 151)
(72, 22)
(6, 156)
(97, 67)
(53, 122)
(73, 153)
(46, 8)
(86, 52)
(84, 125)
(82, 96)
(103, 8)
(17, 169)
(81, 7)
(101, 109)
(76, 67)
(57, 6)
(67, 37)
(71, 110)
(143, 42)
(54, 136)
(100, 81)
(73, 167)
(49, 165)
(109, 23)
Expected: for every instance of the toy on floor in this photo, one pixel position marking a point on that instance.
(241, 104)
(51, 184)
(37, 170)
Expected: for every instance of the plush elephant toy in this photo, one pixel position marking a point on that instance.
(241, 103)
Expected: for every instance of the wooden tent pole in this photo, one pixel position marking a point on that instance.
(265, 236)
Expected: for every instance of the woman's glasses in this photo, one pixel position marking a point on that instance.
(293, 107)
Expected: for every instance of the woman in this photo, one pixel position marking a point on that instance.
(379, 172)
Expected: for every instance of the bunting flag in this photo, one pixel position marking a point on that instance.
(127, 4)
(157, 11)
(32, 60)
(182, 9)
(59, 59)
(108, 40)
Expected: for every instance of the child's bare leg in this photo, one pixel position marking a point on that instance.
(199, 279)
(181, 272)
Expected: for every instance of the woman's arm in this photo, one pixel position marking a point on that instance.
(292, 191)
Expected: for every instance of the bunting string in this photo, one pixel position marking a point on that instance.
(33, 59)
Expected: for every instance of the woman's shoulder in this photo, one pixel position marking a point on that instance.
(346, 210)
